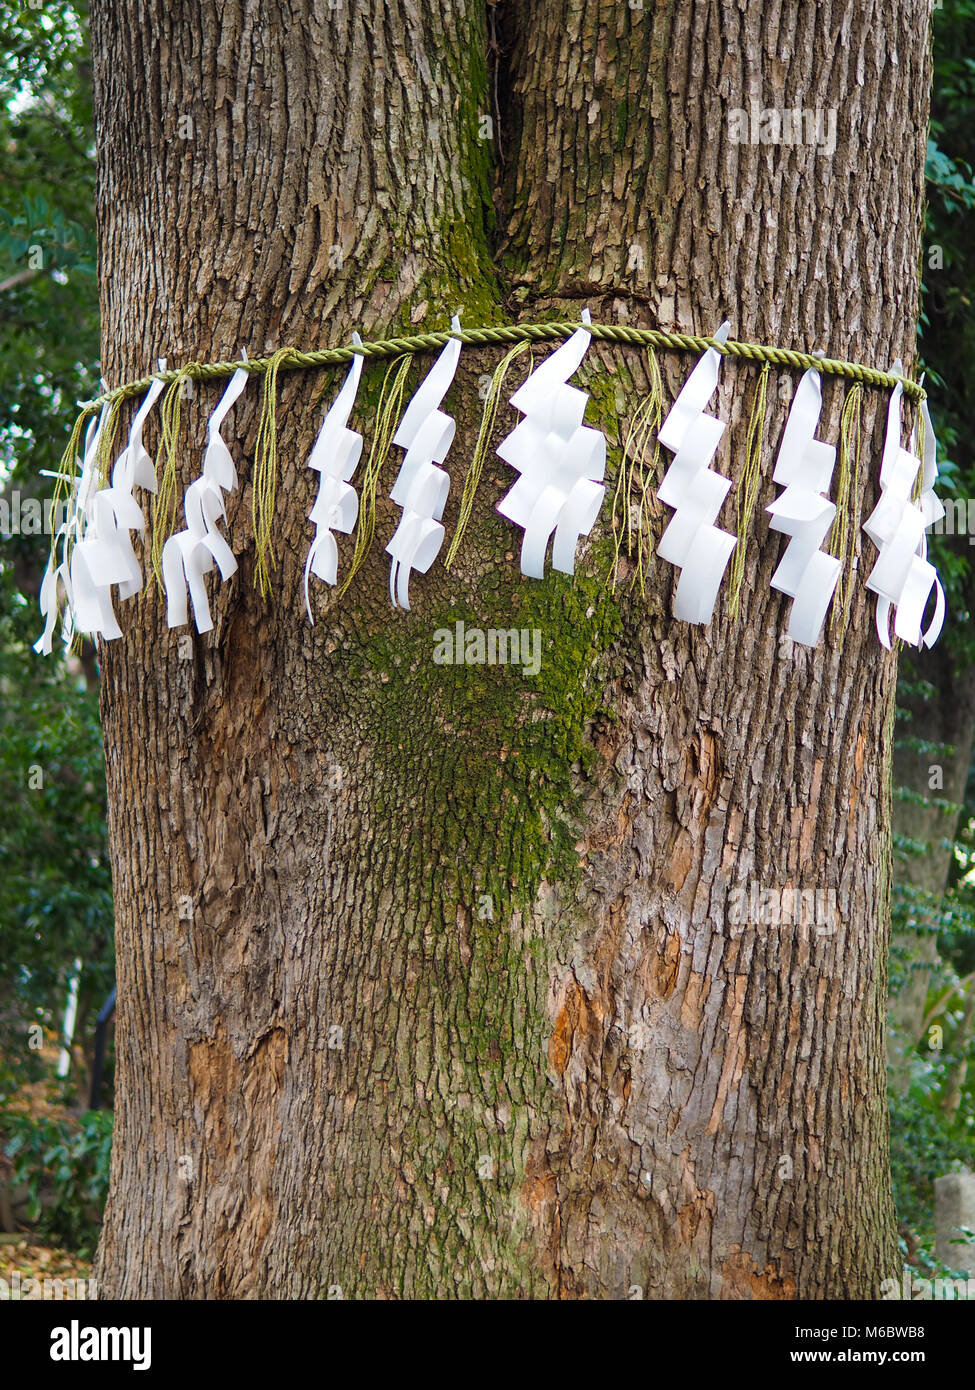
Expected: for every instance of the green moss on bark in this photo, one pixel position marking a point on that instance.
(513, 744)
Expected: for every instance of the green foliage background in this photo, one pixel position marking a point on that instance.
(55, 882)
(63, 1166)
(927, 1141)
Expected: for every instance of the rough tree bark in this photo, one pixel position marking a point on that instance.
(392, 1048)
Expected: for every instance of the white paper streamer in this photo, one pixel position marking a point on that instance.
(691, 540)
(335, 455)
(100, 524)
(190, 554)
(902, 577)
(98, 560)
(134, 467)
(561, 461)
(48, 604)
(426, 433)
(805, 467)
(105, 557)
(70, 531)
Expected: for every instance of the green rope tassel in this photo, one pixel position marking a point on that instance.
(68, 467)
(265, 483)
(636, 478)
(106, 444)
(919, 428)
(164, 503)
(388, 413)
(492, 403)
(746, 489)
(846, 524)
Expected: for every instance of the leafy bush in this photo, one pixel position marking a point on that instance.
(926, 1145)
(64, 1165)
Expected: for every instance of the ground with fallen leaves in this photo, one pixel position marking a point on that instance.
(22, 1257)
(57, 1272)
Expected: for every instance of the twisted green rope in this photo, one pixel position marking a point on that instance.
(507, 334)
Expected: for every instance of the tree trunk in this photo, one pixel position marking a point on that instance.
(454, 1007)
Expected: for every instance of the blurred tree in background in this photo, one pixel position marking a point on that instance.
(933, 900)
(55, 882)
(55, 886)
